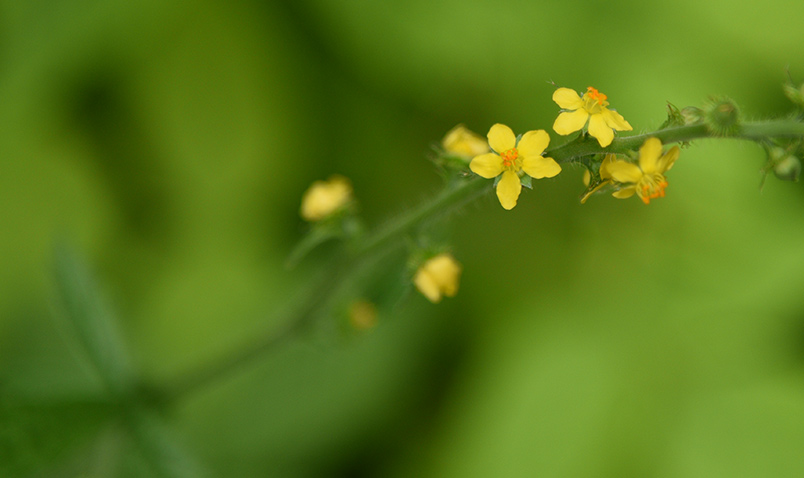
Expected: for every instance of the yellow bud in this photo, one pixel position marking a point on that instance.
(324, 198)
(462, 142)
(438, 277)
(362, 315)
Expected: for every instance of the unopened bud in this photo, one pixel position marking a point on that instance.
(794, 94)
(691, 115)
(722, 117)
(788, 168)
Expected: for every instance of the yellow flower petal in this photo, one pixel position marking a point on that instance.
(625, 192)
(508, 190)
(446, 271)
(461, 141)
(533, 143)
(649, 154)
(604, 166)
(594, 190)
(570, 122)
(501, 138)
(668, 159)
(567, 99)
(538, 167)
(487, 165)
(600, 130)
(427, 285)
(615, 120)
(587, 177)
(624, 172)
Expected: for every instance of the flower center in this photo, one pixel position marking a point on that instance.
(596, 95)
(594, 101)
(510, 159)
(651, 186)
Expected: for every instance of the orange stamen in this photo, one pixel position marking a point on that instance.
(653, 190)
(596, 95)
(509, 157)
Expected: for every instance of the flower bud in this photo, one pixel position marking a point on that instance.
(794, 94)
(437, 277)
(324, 198)
(362, 315)
(691, 115)
(464, 143)
(788, 168)
(722, 117)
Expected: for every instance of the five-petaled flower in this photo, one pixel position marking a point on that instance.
(324, 198)
(592, 106)
(437, 277)
(511, 159)
(646, 180)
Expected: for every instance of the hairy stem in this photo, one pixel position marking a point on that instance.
(334, 278)
(750, 131)
(342, 271)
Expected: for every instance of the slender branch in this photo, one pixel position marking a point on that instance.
(343, 270)
(334, 278)
(749, 131)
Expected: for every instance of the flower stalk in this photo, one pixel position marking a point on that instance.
(362, 257)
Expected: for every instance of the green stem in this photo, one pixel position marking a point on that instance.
(345, 269)
(335, 278)
(750, 131)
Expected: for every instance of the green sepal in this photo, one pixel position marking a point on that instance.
(674, 117)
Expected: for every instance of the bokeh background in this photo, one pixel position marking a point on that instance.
(170, 142)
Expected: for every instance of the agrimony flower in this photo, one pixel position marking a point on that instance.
(324, 198)
(591, 107)
(437, 277)
(646, 180)
(512, 159)
(464, 143)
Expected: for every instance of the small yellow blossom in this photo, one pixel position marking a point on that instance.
(362, 314)
(646, 180)
(438, 277)
(463, 142)
(323, 198)
(512, 159)
(592, 106)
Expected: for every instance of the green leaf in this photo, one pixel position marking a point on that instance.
(155, 450)
(36, 437)
(92, 321)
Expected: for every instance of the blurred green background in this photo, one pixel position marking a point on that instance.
(170, 144)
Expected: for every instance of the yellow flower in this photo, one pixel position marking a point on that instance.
(646, 180)
(512, 159)
(592, 106)
(438, 276)
(464, 142)
(324, 198)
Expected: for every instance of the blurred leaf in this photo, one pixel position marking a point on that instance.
(156, 452)
(36, 436)
(90, 316)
